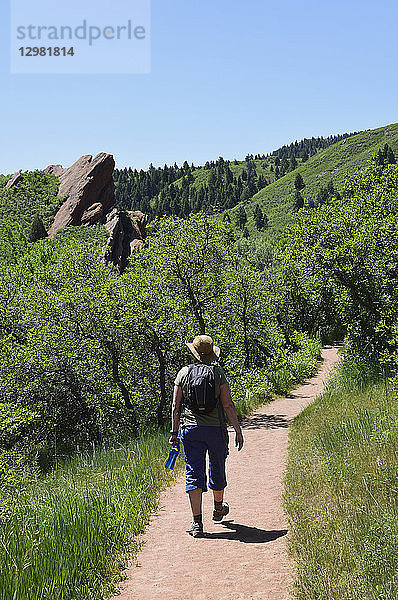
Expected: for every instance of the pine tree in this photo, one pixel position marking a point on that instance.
(258, 217)
(37, 231)
(241, 216)
(246, 194)
(299, 182)
(390, 157)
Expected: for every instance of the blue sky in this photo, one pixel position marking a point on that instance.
(227, 78)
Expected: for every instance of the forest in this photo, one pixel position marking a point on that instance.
(88, 357)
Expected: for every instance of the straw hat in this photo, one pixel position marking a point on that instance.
(203, 349)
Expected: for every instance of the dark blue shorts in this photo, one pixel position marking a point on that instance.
(197, 441)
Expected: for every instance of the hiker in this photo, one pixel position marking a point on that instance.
(201, 400)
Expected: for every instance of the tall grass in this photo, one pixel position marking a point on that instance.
(61, 539)
(342, 490)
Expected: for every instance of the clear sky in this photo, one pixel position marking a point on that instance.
(227, 78)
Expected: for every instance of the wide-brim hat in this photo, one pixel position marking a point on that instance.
(203, 349)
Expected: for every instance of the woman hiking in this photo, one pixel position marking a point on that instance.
(201, 401)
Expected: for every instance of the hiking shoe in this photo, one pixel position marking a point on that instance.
(196, 530)
(219, 514)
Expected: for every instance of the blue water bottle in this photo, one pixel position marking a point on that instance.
(174, 452)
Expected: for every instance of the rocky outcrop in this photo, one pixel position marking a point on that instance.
(127, 232)
(89, 185)
(93, 214)
(16, 178)
(54, 170)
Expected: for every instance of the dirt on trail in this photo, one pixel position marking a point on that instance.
(244, 556)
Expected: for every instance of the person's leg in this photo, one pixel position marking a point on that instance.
(218, 495)
(218, 452)
(195, 498)
(195, 460)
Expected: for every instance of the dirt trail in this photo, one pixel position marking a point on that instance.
(244, 557)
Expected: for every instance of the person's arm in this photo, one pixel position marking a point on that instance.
(175, 413)
(230, 410)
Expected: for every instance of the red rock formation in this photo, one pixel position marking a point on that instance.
(54, 170)
(16, 178)
(93, 214)
(88, 182)
(127, 232)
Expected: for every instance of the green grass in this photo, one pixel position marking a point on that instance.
(65, 537)
(341, 491)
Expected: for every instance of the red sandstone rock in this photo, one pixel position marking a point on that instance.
(87, 182)
(54, 170)
(16, 178)
(127, 232)
(93, 214)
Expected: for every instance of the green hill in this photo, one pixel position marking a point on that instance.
(266, 181)
(331, 164)
(216, 186)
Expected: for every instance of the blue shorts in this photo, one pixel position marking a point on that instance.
(197, 440)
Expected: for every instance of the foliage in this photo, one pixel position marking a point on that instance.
(350, 246)
(35, 194)
(89, 355)
(253, 387)
(218, 185)
(330, 164)
(38, 231)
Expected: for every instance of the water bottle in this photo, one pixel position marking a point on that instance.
(174, 452)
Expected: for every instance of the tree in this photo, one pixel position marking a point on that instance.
(241, 216)
(190, 252)
(38, 231)
(385, 156)
(258, 216)
(299, 182)
(298, 200)
(352, 242)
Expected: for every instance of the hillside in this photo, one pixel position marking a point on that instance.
(331, 164)
(216, 186)
(263, 180)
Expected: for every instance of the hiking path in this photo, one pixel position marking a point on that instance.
(243, 557)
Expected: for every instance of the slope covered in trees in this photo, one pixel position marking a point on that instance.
(218, 185)
(328, 167)
(258, 194)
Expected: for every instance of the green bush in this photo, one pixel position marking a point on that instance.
(254, 387)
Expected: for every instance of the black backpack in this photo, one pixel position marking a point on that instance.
(201, 389)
